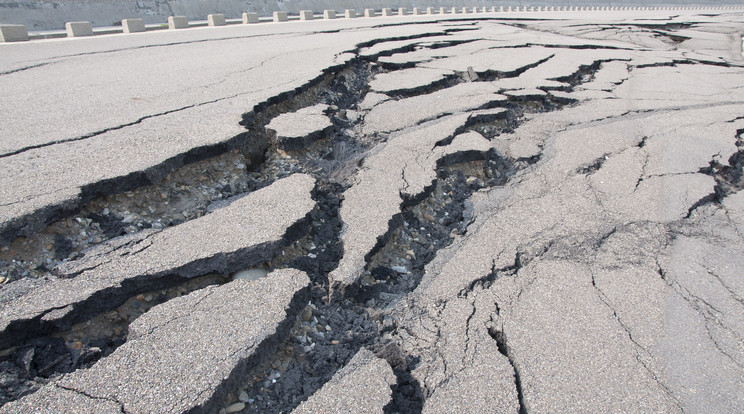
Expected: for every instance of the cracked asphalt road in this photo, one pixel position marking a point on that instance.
(595, 264)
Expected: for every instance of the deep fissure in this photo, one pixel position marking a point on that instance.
(325, 335)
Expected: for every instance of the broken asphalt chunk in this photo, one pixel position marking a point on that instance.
(362, 386)
(296, 130)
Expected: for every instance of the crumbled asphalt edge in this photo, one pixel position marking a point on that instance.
(728, 176)
(407, 394)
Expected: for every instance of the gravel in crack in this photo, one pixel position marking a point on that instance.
(325, 336)
(182, 195)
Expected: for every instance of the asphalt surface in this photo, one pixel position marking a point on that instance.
(594, 266)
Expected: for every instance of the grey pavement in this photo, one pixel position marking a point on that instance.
(601, 273)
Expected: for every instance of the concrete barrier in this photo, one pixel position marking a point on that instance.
(13, 33)
(52, 14)
(329, 14)
(78, 29)
(402, 11)
(350, 13)
(455, 10)
(417, 11)
(178, 22)
(442, 10)
(430, 10)
(280, 16)
(369, 13)
(132, 25)
(250, 18)
(465, 10)
(216, 20)
(387, 12)
(306, 15)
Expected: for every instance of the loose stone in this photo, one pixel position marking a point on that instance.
(306, 314)
(234, 408)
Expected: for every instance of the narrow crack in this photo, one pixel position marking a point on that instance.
(38, 65)
(117, 127)
(694, 302)
(499, 336)
(638, 347)
(93, 397)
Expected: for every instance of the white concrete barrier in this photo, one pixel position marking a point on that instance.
(13, 33)
(250, 18)
(78, 29)
(370, 13)
(306, 15)
(280, 16)
(418, 11)
(178, 22)
(329, 14)
(465, 10)
(402, 11)
(216, 20)
(350, 13)
(387, 12)
(429, 10)
(455, 11)
(132, 25)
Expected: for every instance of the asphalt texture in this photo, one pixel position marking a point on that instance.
(517, 212)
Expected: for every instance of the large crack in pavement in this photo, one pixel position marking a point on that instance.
(367, 237)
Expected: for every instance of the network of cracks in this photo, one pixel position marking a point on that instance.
(326, 333)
